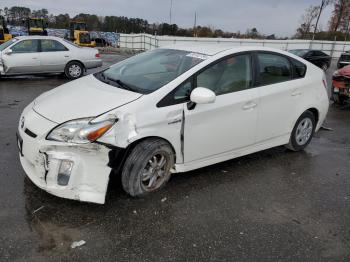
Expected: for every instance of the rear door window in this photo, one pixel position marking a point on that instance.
(273, 68)
(48, 45)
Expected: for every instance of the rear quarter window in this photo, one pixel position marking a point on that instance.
(299, 69)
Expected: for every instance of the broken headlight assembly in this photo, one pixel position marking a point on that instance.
(80, 131)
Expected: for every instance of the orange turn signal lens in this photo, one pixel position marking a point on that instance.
(99, 132)
(339, 84)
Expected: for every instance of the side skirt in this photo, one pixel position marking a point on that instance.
(282, 140)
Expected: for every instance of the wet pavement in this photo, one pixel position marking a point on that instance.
(268, 206)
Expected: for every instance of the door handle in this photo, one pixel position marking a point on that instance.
(175, 121)
(66, 56)
(34, 58)
(249, 106)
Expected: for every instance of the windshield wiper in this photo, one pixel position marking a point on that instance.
(120, 83)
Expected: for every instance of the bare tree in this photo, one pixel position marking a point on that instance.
(340, 15)
(307, 19)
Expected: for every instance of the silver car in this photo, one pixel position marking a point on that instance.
(46, 54)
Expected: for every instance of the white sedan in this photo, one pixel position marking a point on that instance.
(46, 54)
(168, 110)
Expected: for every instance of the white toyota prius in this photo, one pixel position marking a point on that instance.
(168, 110)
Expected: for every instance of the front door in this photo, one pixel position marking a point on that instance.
(229, 123)
(24, 59)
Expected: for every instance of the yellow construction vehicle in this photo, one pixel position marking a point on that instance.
(79, 34)
(36, 26)
(4, 31)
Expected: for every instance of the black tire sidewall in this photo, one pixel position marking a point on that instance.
(136, 162)
(66, 70)
(293, 142)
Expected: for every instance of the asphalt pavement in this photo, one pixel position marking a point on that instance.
(274, 205)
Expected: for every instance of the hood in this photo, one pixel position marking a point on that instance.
(85, 97)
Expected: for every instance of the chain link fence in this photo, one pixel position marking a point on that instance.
(147, 42)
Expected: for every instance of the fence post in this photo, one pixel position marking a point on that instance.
(333, 45)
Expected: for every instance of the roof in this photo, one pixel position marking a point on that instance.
(37, 37)
(215, 48)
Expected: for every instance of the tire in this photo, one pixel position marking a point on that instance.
(74, 70)
(143, 171)
(298, 141)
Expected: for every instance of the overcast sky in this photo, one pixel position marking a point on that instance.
(268, 16)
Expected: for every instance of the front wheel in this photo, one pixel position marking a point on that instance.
(147, 168)
(74, 70)
(303, 132)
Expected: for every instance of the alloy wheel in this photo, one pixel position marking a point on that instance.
(304, 131)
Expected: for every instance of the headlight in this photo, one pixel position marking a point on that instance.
(80, 131)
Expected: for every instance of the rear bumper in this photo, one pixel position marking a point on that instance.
(93, 63)
(41, 160)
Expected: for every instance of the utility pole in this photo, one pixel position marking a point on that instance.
(195, 25)
(324, 3)
(170, 11)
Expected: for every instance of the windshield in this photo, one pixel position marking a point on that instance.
(36, 23)
(299, 52)
(151, 70)
(7, 44)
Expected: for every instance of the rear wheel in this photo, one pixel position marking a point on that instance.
(74, 70)
(303, 132)
(147, 168)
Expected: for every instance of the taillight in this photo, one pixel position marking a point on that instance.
(98, 55)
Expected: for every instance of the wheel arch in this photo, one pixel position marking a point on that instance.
(77, 61)
(315, 112)
(117, 155)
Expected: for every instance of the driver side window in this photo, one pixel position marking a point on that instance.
(230, 75)
(26, 46)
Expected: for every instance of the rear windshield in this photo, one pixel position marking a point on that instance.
(151, 70)
(345, 57)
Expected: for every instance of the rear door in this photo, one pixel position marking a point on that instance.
(279, 95)
(24, 59)
(54, 55)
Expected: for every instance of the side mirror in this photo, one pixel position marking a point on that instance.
(202, 95)
(8, 52)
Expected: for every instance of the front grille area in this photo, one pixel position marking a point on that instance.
(30, 133)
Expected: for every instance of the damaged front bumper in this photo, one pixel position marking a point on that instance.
(42, 160)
